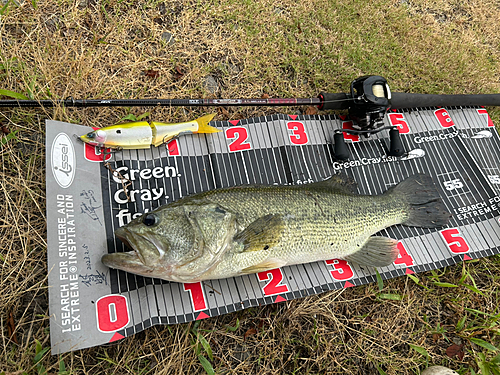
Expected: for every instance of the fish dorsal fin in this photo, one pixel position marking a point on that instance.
(262, 234)
(338, 182)
(376, 252)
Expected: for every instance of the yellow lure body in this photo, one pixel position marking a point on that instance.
(140, 135)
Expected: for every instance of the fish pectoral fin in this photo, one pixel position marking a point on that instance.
(266, 265)
(262, 234)
(377, 252)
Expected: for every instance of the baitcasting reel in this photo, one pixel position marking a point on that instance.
(370, 100)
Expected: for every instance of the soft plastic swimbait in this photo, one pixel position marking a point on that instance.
(134, 135)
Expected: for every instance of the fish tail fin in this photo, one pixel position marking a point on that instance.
(203, 126)
(425, 206)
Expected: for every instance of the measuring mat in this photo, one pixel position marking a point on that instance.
(88, 199)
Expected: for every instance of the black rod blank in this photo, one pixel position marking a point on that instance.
(325, 101)
(82, 103)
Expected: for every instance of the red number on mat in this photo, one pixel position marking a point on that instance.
(403, 256)
(274, 285)
(341, 269)
(455, 241)
(444, 118)
(241, 135)
(398, 119)
(197, 296)
(92, 153)
(347, 136)
(112, 313)
(299, 135)
(173, 148)
(483, 112)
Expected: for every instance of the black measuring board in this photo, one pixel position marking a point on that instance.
(458, 148)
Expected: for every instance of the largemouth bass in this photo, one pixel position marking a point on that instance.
(248, 229)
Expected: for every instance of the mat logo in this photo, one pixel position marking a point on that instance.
(63, 161)
(436, 137)
(414, 154)
(483, 134)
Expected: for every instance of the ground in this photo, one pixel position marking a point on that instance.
(230, 49)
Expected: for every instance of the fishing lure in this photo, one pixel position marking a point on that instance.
(137, 135)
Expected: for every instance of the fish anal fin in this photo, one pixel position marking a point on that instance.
(377, 252)
(266, 265)
(261, 234)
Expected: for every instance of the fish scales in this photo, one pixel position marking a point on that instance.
(321, 222)
(247, 229)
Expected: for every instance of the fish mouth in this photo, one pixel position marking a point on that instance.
(121, 234)
(89, 141)
(142, 259)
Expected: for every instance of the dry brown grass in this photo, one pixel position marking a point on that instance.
(100, 49)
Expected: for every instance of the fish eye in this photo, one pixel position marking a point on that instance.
(91, 135)
(149, 220)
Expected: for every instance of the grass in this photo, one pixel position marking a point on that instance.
(102, 49)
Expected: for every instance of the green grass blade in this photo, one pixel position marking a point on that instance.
(414, 278)
(206, 346)
(8, 137)
(39, 355)
(380, 282)
(445, 285)
(461, 324)
(419, 350)
(474, 289)
(483, 365)
(4, 8)
(380, 371)
(207, 366)
(496, 359)
(129, 117)
(232, 329)
(390, 296)
(483, 344)
(62, 366)
(13, 94)
(481, 313)
(144, 115)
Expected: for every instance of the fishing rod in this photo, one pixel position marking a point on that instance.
(363, 90)
(367, 103)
